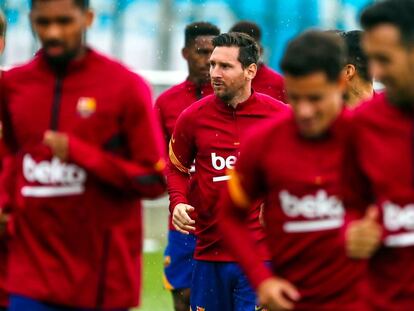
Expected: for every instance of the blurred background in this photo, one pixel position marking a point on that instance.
(147, 35)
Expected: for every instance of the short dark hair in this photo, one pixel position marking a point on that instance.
(249, 28)
(248, 48)
(3, 24)
(315, 51)
(194, 30)
(83, 4)
(355, 53)
(396, 12)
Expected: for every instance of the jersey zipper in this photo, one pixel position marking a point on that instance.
(57, 98)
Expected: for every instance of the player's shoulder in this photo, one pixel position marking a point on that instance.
(171, 93)
(118, 71)
(22, 70)
(371, 108)
(269, 74)
(271, 129)
(198, 109)
(272, 103)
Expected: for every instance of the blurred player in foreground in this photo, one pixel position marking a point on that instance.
(295, 164)
(85, 139)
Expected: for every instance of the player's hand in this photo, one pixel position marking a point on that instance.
(58, 143)
(181, 218)
(4, 219)
(261, 215)
(277, 294)
(363, 237)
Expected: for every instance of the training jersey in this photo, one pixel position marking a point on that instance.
(3, 239)
(269, 82)
(299, 180)
(383, 141)
(77, 224)
(210, 131)
(169, 105)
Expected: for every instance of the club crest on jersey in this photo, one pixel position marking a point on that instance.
(200, 309)
(86, 106)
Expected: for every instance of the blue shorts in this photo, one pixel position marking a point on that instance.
(221, 286)
(178, 260)
(20, 303)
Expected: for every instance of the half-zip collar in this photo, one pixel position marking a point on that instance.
(243, 106)
(198, 90)
(73, 65)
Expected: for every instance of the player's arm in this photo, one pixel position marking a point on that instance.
(158, 108)
(142, 172)
(7, 185)
(362, 230)
(245, 186)
(181, 156)
(8, 162)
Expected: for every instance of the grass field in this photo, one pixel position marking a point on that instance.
(154, 297)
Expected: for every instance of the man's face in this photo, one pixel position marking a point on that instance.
(316, 102)
(60, 25)
(228, 77)
(197, 55)
(391, 62)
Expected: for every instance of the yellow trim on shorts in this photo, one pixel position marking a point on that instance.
(166, 283)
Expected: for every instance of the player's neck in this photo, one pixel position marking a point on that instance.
(358, 94)
(197, 80)
(240, 97)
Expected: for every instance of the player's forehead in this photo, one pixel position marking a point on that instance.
(203, 41)
(55, 8)
(309, 84)
(382, 36)
(225, 54)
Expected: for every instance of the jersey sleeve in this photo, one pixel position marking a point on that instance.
(244, 187)
(182, 153)
(142, 171)
(357, 193)
(158, 108)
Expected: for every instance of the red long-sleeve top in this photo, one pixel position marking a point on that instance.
(210, 133)
(300, 182)
(269, 82)
(77, 238)
(169, 105)
(383, 141)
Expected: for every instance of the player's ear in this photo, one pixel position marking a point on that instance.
(350, 71)
(185, 52)
(89, 18)
(343, 79)
(250, 71)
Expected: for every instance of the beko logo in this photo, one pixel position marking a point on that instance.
(56, 178)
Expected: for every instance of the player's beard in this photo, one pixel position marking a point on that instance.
(226, 95)
(59, 62)
(404, 102)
